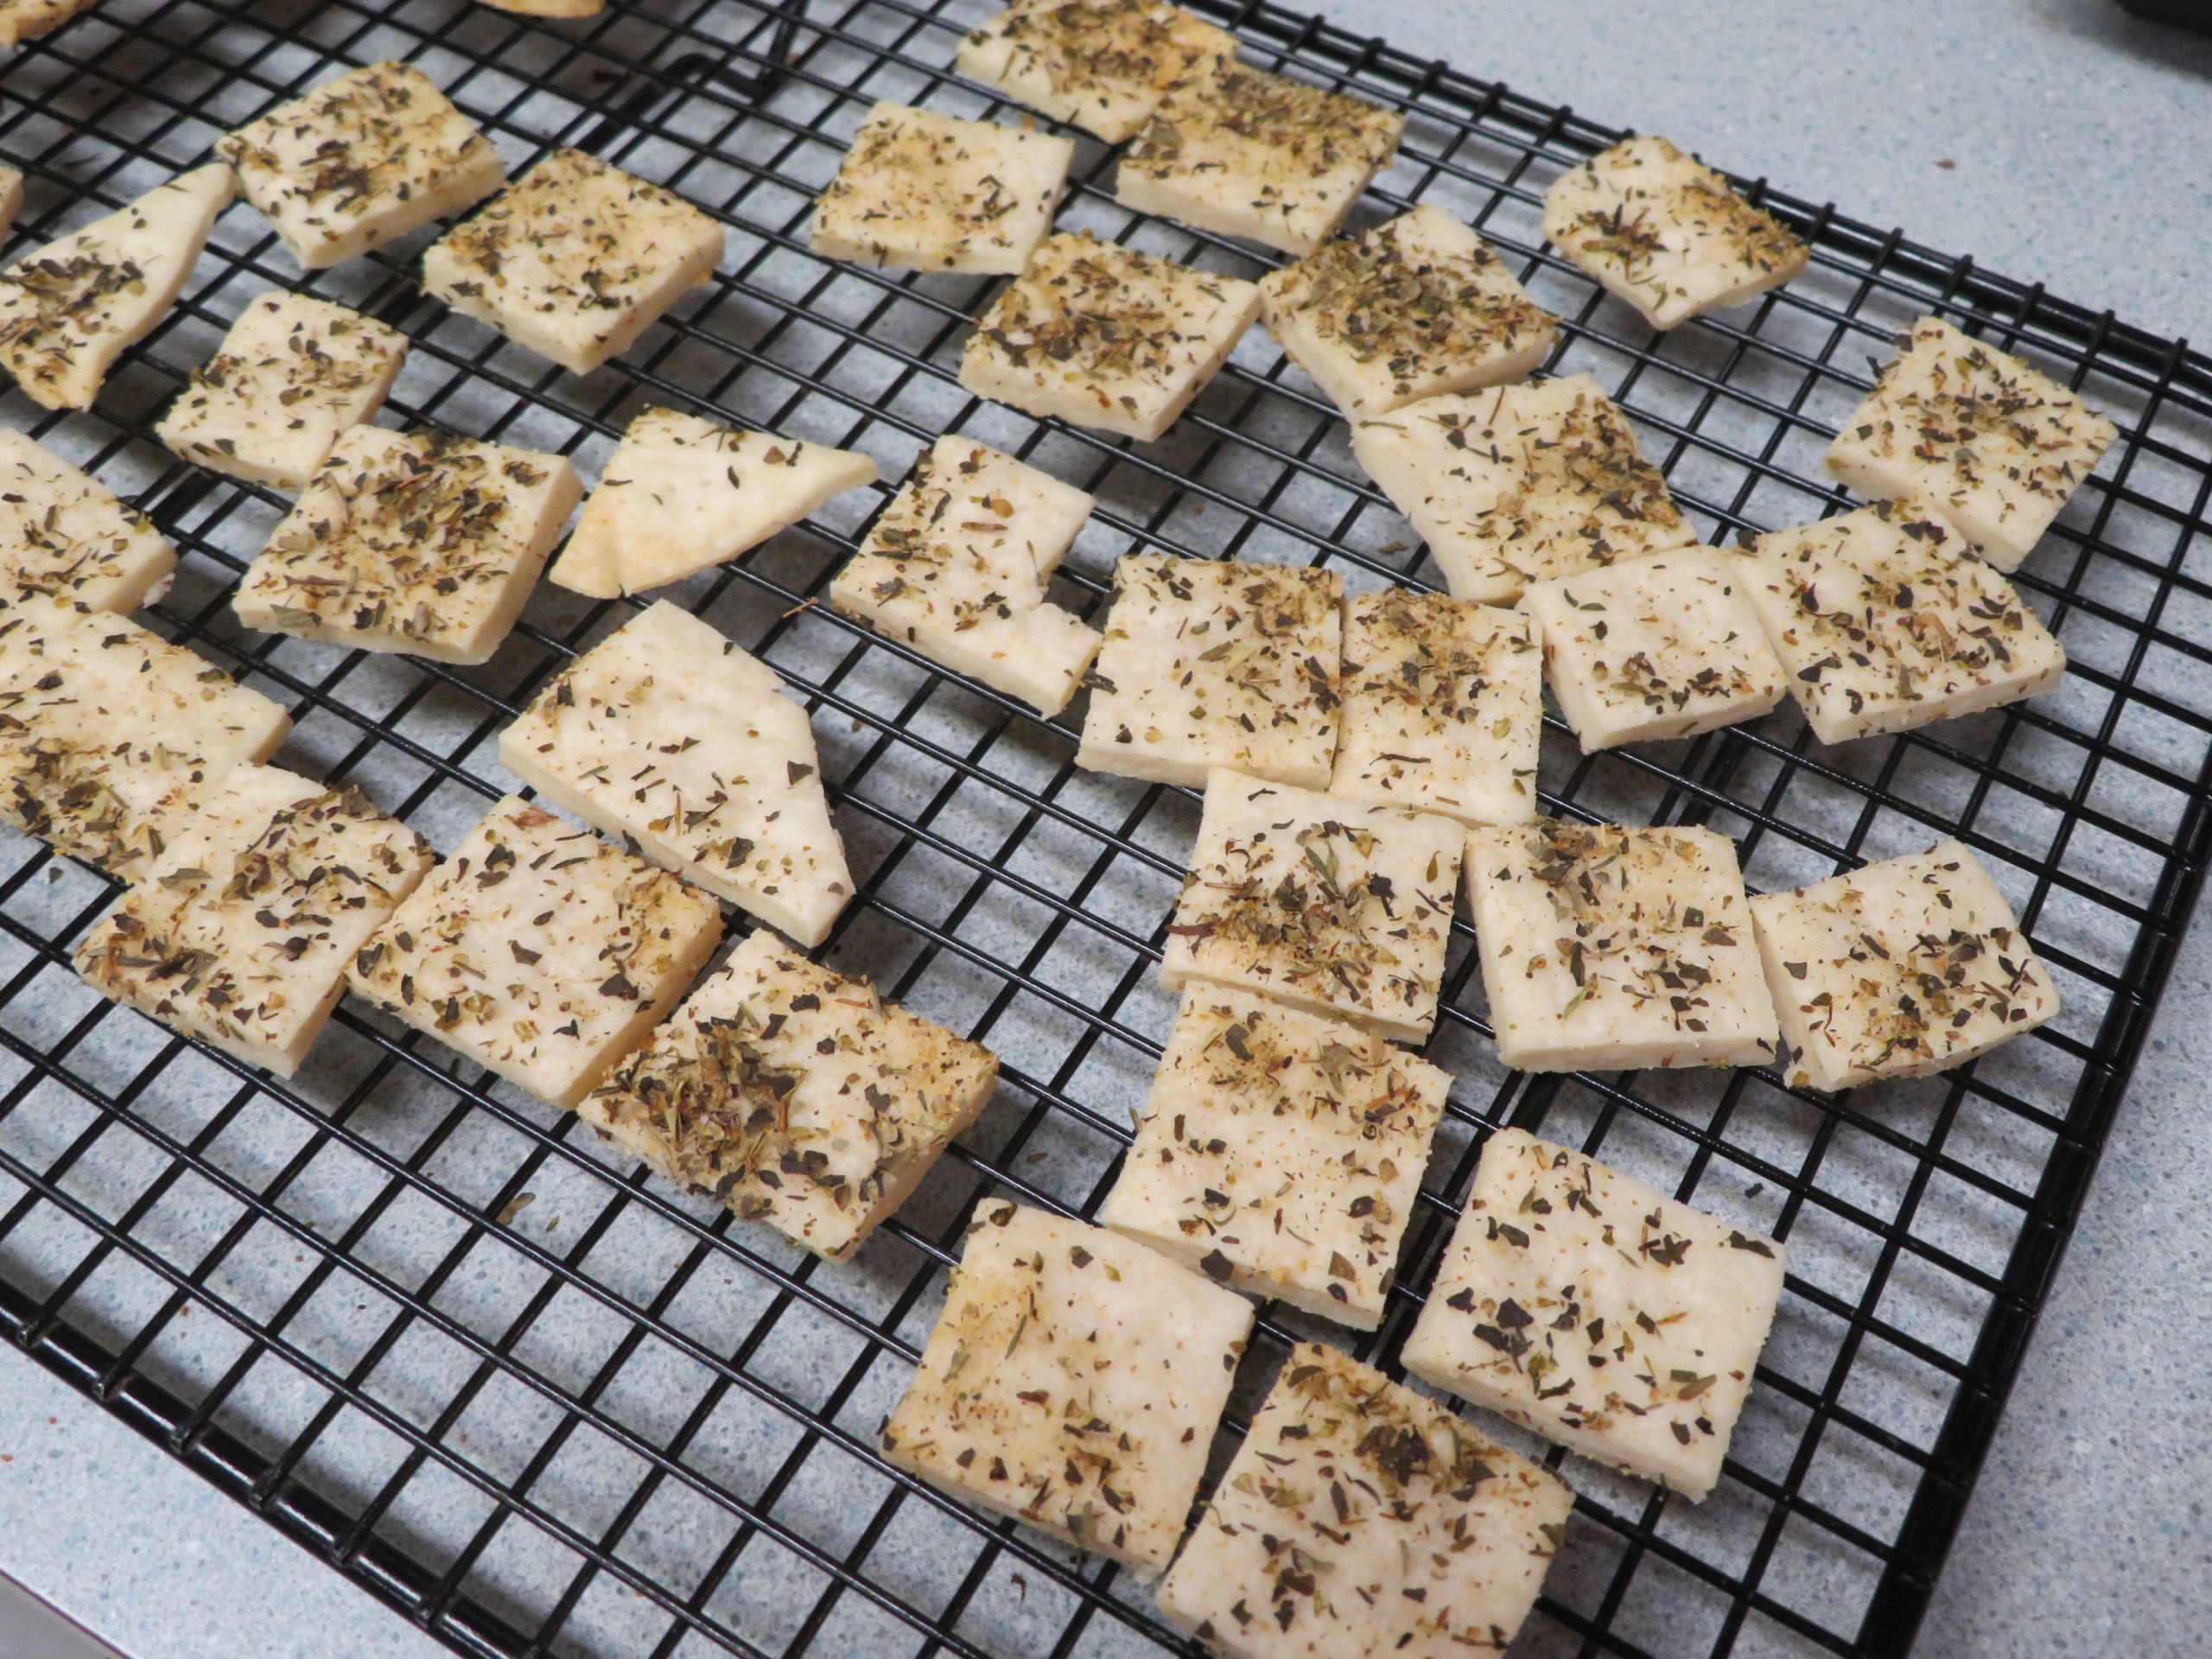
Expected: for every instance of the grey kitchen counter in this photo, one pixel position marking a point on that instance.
(2075, 138)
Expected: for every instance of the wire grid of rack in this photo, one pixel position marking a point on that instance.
(540, 1404)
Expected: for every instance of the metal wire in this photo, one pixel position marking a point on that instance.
(636, 1427)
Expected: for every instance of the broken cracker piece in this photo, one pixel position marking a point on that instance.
(29, 20)
(110, 735)
(681, 494)
(419, 542)
(930, 192)
(1521, 484)
(1334, 906)
(574, 259)
(1611, 949)
(62, 535)
(669, 735)
(1444, 706)
(240, 932)
(360, 160)
(796, 1096)
(958, 567)
(1102, 336)
(1217, 662)
(1280, 1154)
(539, 951)
(1578, 1302)
(1414, 309)
(1073, 1381)
(1898, 969)
(68, 309)
(1360, 1520)
(1103, 65)
(294, 372)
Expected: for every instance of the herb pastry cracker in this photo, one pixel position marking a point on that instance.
(796, 1096)
(1103, 65)
(62, 535)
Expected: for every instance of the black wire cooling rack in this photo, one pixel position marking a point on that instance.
(539, 1404)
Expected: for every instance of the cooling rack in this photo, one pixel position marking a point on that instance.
(541, 1404)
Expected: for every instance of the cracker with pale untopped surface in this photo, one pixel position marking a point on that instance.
(418, 542)
(1280, 1154)
(1444, 706)
(1607, 949)
(574, 259)
(957, 566)
(1662, 647)
(1073, 1381)
(11, 197)
(539, 951)
(294, 372)
(1884, 621)
(669, 735)
(1103, 65)
(1994, 446)
(1245, 153)
(1360, 1520)
(1904, 968)
(1521, 484)
(362, 159)
(110, 735)
(1414, 309)
(1665, 232)
(796, 1096)
(1334, 906)
(64, 536)
(68, 309)
(240, 932)
(28, 20)
(1578, 1302)
(1102, 336)
(930, 191)
(1217, 662)
(681, 494)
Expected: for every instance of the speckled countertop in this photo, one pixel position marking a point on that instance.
(2074, 137)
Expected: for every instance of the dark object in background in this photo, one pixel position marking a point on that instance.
(2182, 13)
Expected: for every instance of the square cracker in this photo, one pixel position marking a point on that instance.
(1102, 65)
(930, 191)
(1578, 1301)
(1074, 1381)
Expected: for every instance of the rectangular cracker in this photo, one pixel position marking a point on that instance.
(1991, 444)
(419, 542)
(1280, 1154)
(1073, 1381)
(1358, 1520)
(1217, 662)
(294, 372)
(667, 734)
(1100, 335)
(1665, 232)
(1521, 484)
(539, 951)
(1411, 309)
(1578, 1301)
(574, 259)
(240, 932)
(1444, 706)
(360, 160)
(1102, 65)
(68, 309)
(109, 734)
(930, 192)
(1334, 906)
(1609, 949)
(63, 535)
(681, 494)
(1884, 621)
(958, 567)
(1661, 647)
(1239, 151)
(796, 1096)
(1898, 969)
